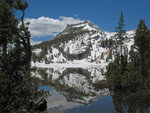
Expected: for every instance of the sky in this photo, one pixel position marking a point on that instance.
(49, 17)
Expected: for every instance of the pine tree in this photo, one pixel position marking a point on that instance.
(147, 54)
(17, 86)
(120, 35)
(120, 31)
(141, 42)
(117, 68)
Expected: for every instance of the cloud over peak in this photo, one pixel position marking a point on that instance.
(45, 26)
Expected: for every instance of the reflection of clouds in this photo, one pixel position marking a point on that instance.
(61, 107)
(57, 103)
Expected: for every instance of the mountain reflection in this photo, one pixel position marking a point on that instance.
(72, 89)
(76, 84)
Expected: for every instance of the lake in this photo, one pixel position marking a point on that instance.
(73, 91)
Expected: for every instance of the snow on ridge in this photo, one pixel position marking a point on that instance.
(130, 33)
(79, 25)
(37, 51)
(87, 27)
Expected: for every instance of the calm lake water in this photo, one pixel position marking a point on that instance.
(73, 91)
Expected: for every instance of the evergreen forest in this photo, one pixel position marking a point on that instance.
(130, 71)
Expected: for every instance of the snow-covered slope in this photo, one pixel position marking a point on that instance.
(82, 43)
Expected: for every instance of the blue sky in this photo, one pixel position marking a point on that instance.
(104, 13)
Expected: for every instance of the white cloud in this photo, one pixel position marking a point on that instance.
(45, 26)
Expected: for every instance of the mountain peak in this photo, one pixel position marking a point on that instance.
(84, 25)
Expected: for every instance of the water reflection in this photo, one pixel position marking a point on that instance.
(73, 91)
(134, 103)
(76, 84)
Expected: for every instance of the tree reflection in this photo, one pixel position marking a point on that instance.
(124, 103)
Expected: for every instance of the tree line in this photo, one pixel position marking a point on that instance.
(130, 71)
